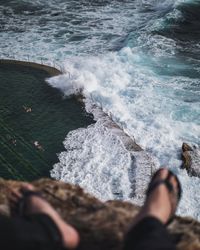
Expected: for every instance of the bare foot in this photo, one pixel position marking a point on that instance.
(160, 202)
(36, 205)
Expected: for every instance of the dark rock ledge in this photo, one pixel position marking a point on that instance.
(51, 70)
(101, 225)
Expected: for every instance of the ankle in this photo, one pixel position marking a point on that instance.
(156, 214)
(157, 209)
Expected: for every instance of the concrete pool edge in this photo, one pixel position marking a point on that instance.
(50, 70)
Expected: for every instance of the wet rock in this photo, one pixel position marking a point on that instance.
(186, 147)
(191, 159)
(101, 225)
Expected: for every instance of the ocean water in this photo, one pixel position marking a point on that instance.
(138, 61)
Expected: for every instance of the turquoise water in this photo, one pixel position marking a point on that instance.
(50, 118)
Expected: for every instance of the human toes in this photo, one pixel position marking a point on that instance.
(161, 174)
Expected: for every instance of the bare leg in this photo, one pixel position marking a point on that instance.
(160, 203)
(148, 231)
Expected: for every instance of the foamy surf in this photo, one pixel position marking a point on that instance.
(105, 161)
(116, 83)
(149, 107)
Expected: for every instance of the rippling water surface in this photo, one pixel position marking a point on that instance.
(138, 60)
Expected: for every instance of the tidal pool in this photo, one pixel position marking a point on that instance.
(34, 120)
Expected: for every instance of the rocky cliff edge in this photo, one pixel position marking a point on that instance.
(102, 226)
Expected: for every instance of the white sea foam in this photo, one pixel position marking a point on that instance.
(142, 102)
(96, 160)
(103, 160)
(145, 106)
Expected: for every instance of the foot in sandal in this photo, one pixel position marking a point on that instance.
(163, 196)
(27, 201)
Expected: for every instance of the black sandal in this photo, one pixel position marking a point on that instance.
(154, 184)
(20, 210)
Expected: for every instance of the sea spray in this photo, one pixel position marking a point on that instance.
(140, 101)
(125, 101)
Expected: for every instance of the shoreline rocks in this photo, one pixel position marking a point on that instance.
(102, 225)
(191, 159)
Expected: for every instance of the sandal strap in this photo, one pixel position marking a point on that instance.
(155, 184)
(179, 189)
(28, 193)
(166, 182)
(22, 203)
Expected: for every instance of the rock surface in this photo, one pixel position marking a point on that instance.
(101, 225)
(191, 159)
